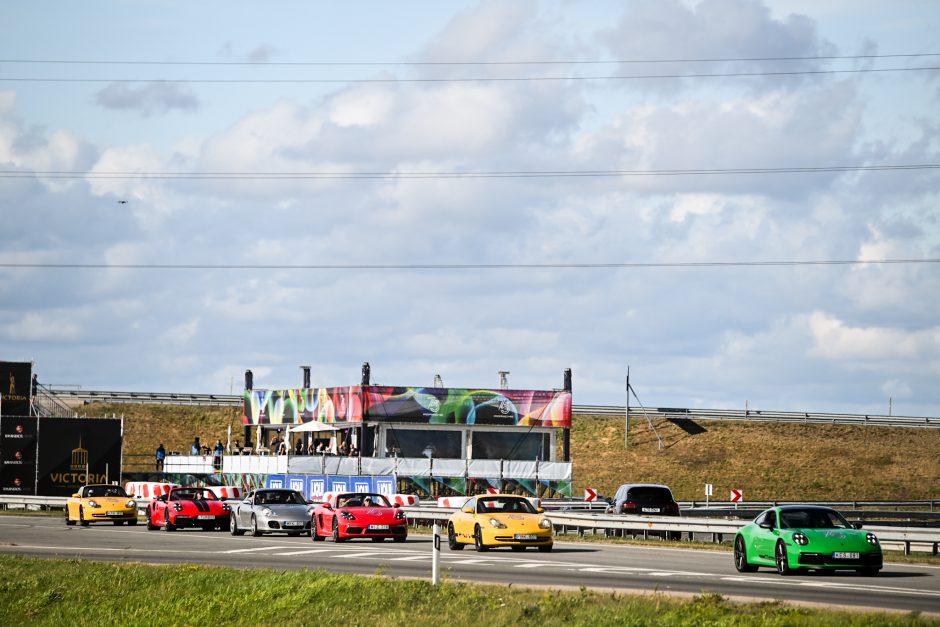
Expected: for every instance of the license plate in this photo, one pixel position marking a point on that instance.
(205, 517)
(293, 524)
(378, 527)
(115, 513)
(525, 536)
(845, 556)
(650, 510)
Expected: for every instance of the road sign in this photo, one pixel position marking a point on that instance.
(709, 489)
(737, 496)
(590, 494)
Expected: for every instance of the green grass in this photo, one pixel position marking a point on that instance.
(41, 592)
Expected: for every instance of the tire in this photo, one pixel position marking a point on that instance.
(740, 557)
(314, 534)
(233, 526)
(781, 559)
(255, 532)
(68, 521)
(150, 525)
(336, 536)
(132, 522)
(478, 540)
(452, 543)
(169, 526)
(675, 536)
(81, 517)
(545, 548)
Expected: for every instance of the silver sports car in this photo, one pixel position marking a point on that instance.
(269, 511)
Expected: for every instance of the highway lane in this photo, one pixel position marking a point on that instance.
(595, 566)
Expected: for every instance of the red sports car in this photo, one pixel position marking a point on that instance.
(188, 507)
(347, 515)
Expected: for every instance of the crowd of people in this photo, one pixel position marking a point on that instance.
(278, 446)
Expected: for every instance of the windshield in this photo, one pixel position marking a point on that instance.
(281, 497)
(649, 494)
(362, 500)
(504, 504)
(812, 518)
(105, 490)
(194, 494)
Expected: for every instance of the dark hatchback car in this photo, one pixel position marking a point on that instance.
(644, 499)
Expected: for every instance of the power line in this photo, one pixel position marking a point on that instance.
(468, 266)
(479, 79)
(314, 175)
(464, 63)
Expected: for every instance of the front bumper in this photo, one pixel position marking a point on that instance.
(221, 520)
(354, 529)
(284, 524)
(112, 514)
(502, 537)
(826, 561)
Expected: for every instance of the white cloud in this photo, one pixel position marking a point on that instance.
(834, 339)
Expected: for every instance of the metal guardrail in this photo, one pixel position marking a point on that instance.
(235, 400)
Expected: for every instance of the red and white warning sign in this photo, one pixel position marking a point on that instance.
(737, 496)
(590, 494)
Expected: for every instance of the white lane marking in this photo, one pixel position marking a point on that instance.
(473, 562)
(533, 565)
(410, 558)
(258, 548)
(364, 554)
(307, 552)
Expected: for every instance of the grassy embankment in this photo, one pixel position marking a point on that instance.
(74, 592)
(767, 461)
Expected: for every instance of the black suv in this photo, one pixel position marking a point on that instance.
(643, 499)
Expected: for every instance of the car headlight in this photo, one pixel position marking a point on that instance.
(347, 516)
(872, 538)
(496, 523)
(266, 511)
(131, 504)
(545, 523)
(399, 515)
(93, 503)
(226, 507)
(178, 507)
(800, 538)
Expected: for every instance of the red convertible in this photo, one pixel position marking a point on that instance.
(347, 515)
(188, 507)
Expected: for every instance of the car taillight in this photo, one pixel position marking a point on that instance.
(672, 508)
(628, 506)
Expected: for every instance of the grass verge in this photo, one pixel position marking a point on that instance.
(46, 592)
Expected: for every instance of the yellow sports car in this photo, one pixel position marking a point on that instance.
(492, 520)
(100, 503)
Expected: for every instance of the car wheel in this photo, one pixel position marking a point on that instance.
(452, 543)
(740, 557)
(478, 540)
(233, 525)
(545, 548)
(314, 534)
(783, 562)
(68, 520)
(675, 536)
(132, 522)
(336, 537)
(169, 525)
(868, 572)
(254, 527)
(81, 517)
(150, 525)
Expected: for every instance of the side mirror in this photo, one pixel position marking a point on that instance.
(766, 525)
(397, 505)
(467, 510)
(540, 510)
(247, 501)
(76, 496)
(856, 525)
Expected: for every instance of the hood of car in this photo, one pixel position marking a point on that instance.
(110, 501)
(834, 539)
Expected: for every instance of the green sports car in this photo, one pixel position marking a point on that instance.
(794, 538)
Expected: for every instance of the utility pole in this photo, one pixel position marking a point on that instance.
(626, 417)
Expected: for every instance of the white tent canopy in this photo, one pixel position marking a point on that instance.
(313, 425)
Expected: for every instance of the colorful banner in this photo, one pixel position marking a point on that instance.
(520, 408)
(18, 455)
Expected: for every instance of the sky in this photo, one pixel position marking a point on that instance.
(190, 190)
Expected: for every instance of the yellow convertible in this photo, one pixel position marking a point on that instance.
(100, 503)
(493, 520)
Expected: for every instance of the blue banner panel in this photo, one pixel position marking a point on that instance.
(296, 482)
(384, 485)
(316, 486)
(274, 481)
(339, 484)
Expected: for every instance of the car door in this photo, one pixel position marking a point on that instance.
(244, 510)
(765, 535)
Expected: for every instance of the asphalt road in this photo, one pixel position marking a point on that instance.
(595, 566)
